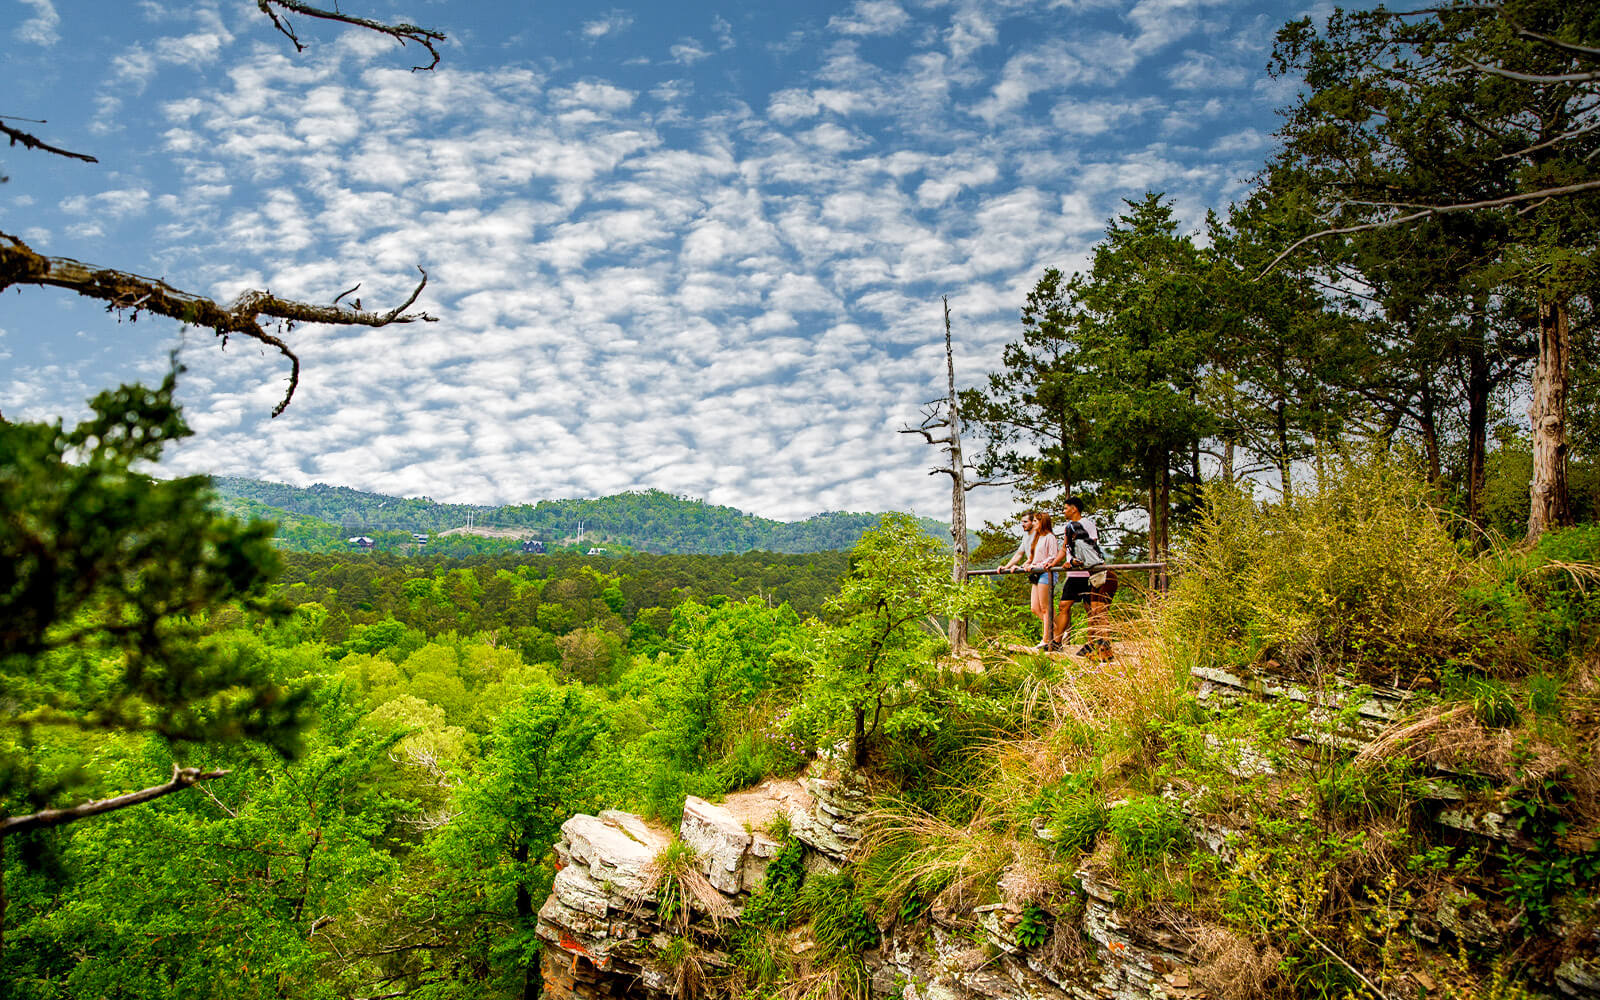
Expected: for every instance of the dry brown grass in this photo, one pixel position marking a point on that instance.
(824, 981)
(1233, 967)
(1031, 878)
(1398, 739)
(965, 861)
(674, 880)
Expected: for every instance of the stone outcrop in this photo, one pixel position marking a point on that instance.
(606, 938)
(600, 921)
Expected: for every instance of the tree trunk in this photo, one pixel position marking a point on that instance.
(1477, 413)
(532, 984)
(859, 742)
(1166, 507)
(1547, 416)
(958, 486)
(1285, 472)
(1428, 422)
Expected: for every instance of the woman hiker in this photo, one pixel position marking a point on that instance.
(1043, 555)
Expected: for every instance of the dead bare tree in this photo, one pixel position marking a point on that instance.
(944, 415)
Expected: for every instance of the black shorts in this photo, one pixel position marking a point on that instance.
(1076, 589)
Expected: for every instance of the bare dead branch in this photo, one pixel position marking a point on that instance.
(22, 265)
(402, 33)
(1510, 74)
(208, 794)
(19, 137)
(1583, 50)
(1424, 213)
(1563, 137)
(182, 777)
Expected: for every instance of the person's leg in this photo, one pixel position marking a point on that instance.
(1037, 605)
(1042, 593)
(1099, 612)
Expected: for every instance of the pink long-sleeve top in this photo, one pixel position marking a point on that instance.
(1045, 550)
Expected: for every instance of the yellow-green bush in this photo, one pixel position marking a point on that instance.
(1359, 571)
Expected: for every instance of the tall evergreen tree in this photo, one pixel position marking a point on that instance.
(1143, 342)
(1477, 118)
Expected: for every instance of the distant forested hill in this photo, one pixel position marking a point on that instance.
(320, 516)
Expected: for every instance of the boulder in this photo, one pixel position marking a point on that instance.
(721, 841)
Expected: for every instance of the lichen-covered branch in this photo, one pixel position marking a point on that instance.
(20, 264)
(1427, 211)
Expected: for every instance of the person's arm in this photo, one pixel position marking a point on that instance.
(1022, 550)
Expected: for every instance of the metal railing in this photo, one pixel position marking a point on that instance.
(1158, 582)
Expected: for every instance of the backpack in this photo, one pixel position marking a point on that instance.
(1085, 549)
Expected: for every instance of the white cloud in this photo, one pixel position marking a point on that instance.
(1244, 141)
(970, 29)
(41, 28)
(688, 52)
(119, 203)
(871, 17)
(594, 95)
(609, 24)
(1201, 70)
(1040, 68)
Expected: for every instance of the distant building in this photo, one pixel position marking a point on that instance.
(596, 552)
(534, 546)
(419, 538)
(360, 542)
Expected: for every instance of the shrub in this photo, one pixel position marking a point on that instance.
(1146, 827)
(1361, 572)
(1034, 927)
(839, 923)
(772, 904)
(1072, 809)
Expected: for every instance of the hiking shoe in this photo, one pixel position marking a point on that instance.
(1085, 649)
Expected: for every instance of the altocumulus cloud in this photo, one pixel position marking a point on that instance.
(709, 268)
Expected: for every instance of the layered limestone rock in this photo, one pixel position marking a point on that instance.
(607, 939)
(601, 920)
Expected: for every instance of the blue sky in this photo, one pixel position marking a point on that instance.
(682, 246)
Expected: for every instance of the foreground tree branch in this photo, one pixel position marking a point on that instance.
(1431, 210)
(20, 264)
(27, 141)
(403, 33)
(182, 777)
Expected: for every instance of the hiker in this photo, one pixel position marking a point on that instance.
(1021, 555)
(1087, 579)
(1043, 555)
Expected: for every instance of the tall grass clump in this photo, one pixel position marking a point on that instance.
(1358, 572)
